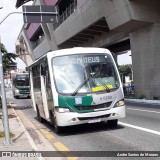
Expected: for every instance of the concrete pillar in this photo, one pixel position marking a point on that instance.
(145, 48)
(48, 31)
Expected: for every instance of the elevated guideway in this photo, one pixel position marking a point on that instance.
(118, 25)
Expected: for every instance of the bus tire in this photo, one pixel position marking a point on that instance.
(29, 97)
(112, 123)
(16, 97)
(40, 119)
(54, 123)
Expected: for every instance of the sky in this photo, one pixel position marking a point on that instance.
(11, 27)
(125, 58)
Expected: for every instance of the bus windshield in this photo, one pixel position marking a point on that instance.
(85, 73)
(21, 81)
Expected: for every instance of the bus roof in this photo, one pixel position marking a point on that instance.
(79, 50)
(70, 51)
(19, 74)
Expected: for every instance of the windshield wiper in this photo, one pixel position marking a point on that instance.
(105, 86)
(80, 86)
(85, 81)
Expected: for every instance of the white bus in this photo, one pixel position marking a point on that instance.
(76, 86)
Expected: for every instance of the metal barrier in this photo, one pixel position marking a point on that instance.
(37, 42)
(128, 90)
(67, 13)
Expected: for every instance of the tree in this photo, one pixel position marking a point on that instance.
(3, 49)
(7, 58)
(125, 70)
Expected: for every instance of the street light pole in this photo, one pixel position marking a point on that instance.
(4, 104)
(34, 13)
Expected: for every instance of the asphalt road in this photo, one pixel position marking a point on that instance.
(139, 131)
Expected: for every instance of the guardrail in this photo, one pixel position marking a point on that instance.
(67, 13)
(36, 43)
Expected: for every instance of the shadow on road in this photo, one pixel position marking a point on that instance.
(77, 129)
(83, 128)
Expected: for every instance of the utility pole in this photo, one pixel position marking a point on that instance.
(4, 104)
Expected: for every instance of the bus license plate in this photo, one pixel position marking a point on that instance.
(23, 95)
(94, 120)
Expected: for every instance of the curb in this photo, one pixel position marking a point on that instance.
(144, 101)
(44, 145)
(30, 139)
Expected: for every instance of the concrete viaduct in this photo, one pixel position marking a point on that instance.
(118, 25)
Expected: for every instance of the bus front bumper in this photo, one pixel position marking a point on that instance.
(73, 118)
(22, 95)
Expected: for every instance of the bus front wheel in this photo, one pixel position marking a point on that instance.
(54, 123)
(112, 123)
(40, 119)
(16, 97)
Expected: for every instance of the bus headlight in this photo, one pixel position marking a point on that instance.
(119, 103)
(62, 110)
(17, 91)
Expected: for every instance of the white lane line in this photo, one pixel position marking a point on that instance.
(140, 128)
(143, 110)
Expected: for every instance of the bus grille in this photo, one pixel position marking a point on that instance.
(24, 92)
(89, 118)
(84, 108)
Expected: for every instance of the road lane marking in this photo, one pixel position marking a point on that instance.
(143, 110)
(140, 128)
(47, 134)
(62, 147)
(72, 158)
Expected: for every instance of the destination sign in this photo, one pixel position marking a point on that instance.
(76, 59)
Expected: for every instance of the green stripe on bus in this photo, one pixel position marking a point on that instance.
(70, 101)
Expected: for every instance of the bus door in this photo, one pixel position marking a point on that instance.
(44, 91)
(31, 89)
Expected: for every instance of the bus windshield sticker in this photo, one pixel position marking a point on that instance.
(100, 88)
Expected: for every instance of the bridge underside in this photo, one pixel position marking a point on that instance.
(120, 47)
(97, 29)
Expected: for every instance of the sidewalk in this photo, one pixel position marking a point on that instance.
(19, 142)
(28, 140)
(23, 142)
